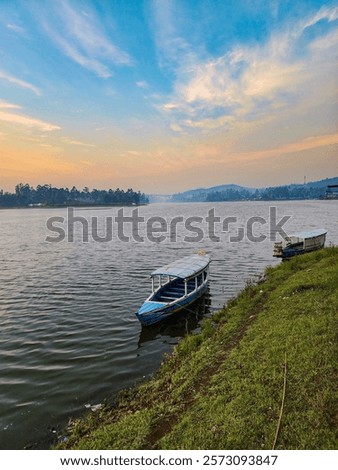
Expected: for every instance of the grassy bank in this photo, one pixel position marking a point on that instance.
(224, 388)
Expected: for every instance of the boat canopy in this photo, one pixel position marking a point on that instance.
(310, 234)
(184, 268)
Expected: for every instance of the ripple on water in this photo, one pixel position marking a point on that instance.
(69, 335)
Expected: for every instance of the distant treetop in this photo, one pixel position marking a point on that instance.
(47, 195)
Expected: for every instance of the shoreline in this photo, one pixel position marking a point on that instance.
(107, 206)
(74, 206)
(222, 387)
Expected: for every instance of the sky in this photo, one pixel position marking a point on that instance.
(167, 95)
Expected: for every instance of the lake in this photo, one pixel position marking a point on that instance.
(69, 335)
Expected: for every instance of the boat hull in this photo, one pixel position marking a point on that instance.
(298, 245)
(167, 310)
(290, 252)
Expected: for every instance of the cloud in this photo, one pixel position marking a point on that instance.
(89, 63)
(302, 145)
(66, 140)
(215, 94)
(16, 28)
(142, 84)
(20, 83)
(170, 106)
(208, 124)
(171, 46)
(248, 80)
(325, 13)
(264, 79)
(134, 152)
(22, 119)
(175, 127)
(82, 37)
(5, 105)
(325, 43)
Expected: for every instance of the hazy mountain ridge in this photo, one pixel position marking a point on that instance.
(234, 192)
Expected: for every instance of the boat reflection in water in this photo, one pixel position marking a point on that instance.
(180, 324)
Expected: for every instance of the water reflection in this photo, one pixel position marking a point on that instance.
(69, 335)
(178, 325)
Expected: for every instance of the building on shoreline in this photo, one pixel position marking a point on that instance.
(331, 191)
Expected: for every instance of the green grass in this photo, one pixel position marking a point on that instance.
(222, 388)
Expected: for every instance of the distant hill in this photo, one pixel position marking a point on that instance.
(234, 192)
(202, 194)
(318, 184)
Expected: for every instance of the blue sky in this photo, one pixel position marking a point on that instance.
(165, 95)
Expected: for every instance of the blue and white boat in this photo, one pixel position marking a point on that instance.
(174, 287)
(300, 243)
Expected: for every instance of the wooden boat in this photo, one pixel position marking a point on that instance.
(174, 287)
(300, 243)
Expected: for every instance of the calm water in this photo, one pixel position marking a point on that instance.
(69, 336)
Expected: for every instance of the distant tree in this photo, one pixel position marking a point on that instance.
(45, 194)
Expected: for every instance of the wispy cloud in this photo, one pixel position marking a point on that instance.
(171, 45)
(134, 152)
(176, 127)
(16, 28)
(66, 140)
(302, 145)
(142, 84)
(249, 80)
(325, 13)
(22, 119)
(82, 37)
(19, 83)
(5, 105)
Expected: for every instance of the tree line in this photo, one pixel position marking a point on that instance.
(268, 194)
(47, 195)
(276, 193)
